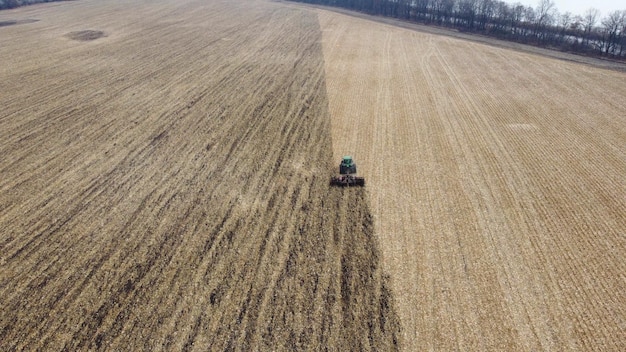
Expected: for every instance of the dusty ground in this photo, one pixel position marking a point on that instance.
(164, 184)
(496, 180)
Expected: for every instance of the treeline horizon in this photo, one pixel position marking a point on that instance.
(587, 34)
(11, 4)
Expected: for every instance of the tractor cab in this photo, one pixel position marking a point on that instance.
(347, 174)
(347, 166)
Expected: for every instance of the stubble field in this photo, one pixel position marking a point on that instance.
(497, 180)
(164, 185)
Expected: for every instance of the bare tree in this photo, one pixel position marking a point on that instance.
(441, 11)
(589, 21)
(467, 12)
(517, 16)
(503, 16)
(486, 9)
(564, 23)
(405, 8)
(421, 8)
(622, 39)
(529, 17)
(544, 17)
(9, 4)
(545, 12)
(612, 27)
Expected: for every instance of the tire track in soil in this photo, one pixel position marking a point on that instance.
(194, 212)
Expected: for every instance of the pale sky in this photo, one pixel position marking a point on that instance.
(579, 7)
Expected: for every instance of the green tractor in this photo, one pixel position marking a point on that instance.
(347, 174)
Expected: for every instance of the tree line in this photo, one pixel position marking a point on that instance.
(10, 4)
(543, 25)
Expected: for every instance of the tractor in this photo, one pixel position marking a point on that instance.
(347, 174)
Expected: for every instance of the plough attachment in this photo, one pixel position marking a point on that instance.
(347, 181)
(347, 174)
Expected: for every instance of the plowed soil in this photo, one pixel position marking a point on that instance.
(165, 186)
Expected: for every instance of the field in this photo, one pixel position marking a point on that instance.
(164, 185)
(497, 183)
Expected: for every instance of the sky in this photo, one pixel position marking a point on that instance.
(579, 7)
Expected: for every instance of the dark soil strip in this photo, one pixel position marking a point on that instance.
(209, 224)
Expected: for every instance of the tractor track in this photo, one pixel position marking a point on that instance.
(170, 189)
